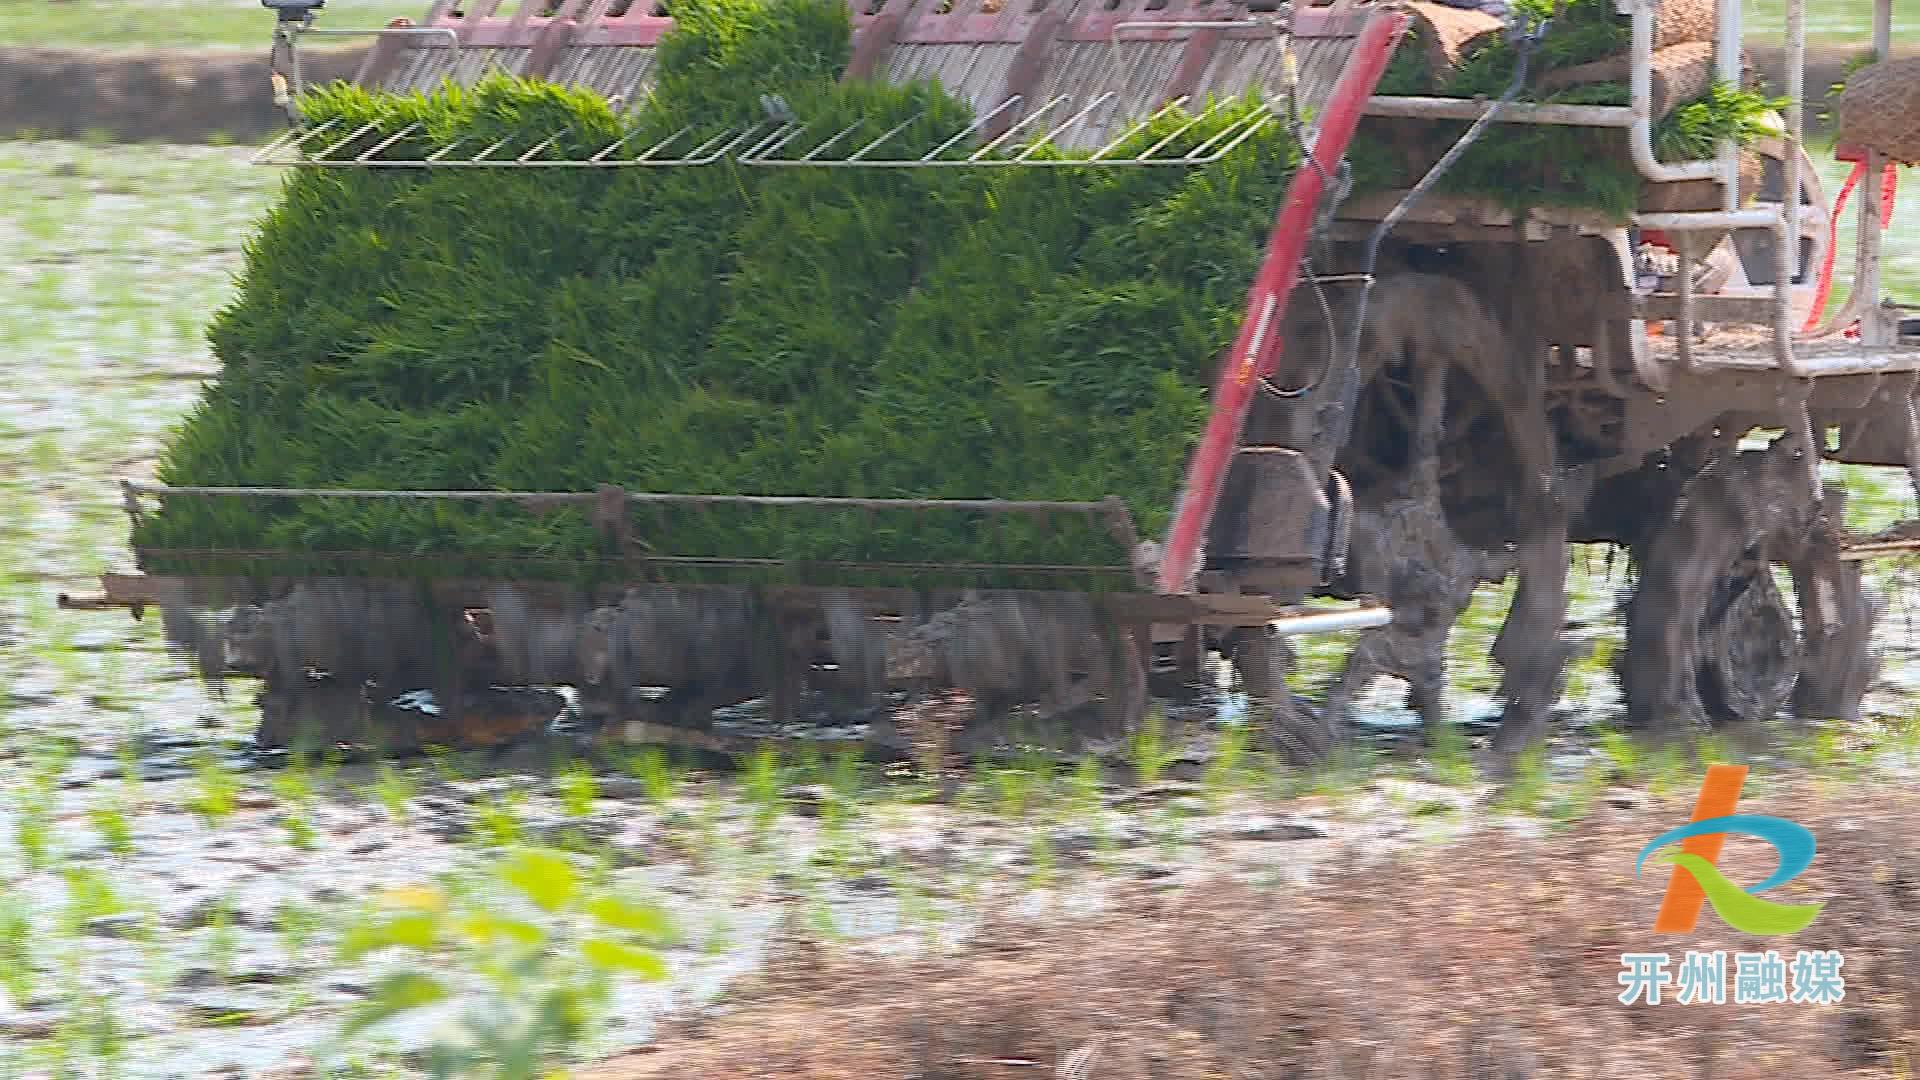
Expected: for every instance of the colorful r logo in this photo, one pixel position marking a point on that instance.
(1696, 873)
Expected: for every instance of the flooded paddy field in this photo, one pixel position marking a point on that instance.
(171, 906)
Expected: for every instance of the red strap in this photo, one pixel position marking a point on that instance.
(1824, 286)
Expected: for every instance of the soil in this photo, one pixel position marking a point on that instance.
(1498, 955)
(170, 96)
(198, 95)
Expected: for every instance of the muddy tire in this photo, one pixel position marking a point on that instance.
(1749, 650)
(1710, 637)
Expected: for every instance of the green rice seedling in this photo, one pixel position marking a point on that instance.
(1905, 735)
(820, 920)
(1527, 787)
(834, 831)
(846, 775)
(222, 942)
(1014, 792)
(326, 773)
(215, 790)
(545, 959)
(1148, 750)
(90, 896)
(1225, 774)
(1084, 788)
(1451, 757)
(711, 850)
(1621, 753)
(1345, 772)
(578, 791)
(395, 789)
(17, 966)
(1666, 770)
(37, 802)
(296, 925)
(1576, 800)
(656, 775)
(294, 786)
(761, 785)
(1040, 854)
(499, 820)
(444, 764)
(33, 813)
(1713, 750)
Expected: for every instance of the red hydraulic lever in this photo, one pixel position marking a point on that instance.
(1257, 349)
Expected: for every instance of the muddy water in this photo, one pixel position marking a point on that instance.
(200, 957)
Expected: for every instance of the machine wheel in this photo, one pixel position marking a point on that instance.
(1710, 637)
(1749, 649)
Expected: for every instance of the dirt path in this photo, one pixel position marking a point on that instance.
(1498, 955)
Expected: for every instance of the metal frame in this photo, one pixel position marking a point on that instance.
(768, 143)
(1878, 349)
(1135, 604)
(1256, 351)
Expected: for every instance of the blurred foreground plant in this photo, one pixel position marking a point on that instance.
(535, 949)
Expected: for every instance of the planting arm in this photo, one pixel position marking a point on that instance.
(1256, 350)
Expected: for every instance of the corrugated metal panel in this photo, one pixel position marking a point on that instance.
(974, 73)
(1243, 64)
(425, 69)
(607, 69)
(1138, 71)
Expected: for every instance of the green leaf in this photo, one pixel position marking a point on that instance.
(613, 956)
(393, 995)
(647, 920)
(542, 877)
(487, 929)
(409, 931)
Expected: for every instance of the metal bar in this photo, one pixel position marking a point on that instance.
(1257, 124)
(1728, 32)
(1008, 505)
(1517, 112)
(721, 562)
(388, 141)
(1177, 132)
(1683, 340)
(1055, 133)
(289, 139)
(452, 36)
(1868, 238)
(1786, 252)
(1257, 350)
(888, 134)
(525, 158)
(1640, 133)
(1014, 127)
(1333, 622)
(1878, 550)
(434, 158)
(1709, 220)
(1137, 128)
(1862, 362)
(337, 144)
(823, 147)
(969, 129)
